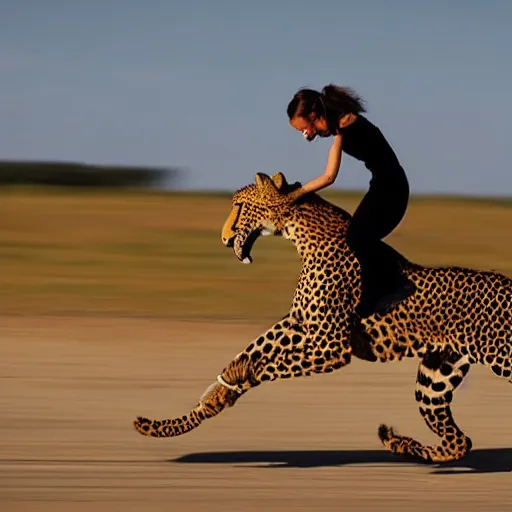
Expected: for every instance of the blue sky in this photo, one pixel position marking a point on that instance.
(204, 85)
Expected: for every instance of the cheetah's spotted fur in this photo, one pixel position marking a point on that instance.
(457, 317)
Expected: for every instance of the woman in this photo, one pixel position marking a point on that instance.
(337, 112)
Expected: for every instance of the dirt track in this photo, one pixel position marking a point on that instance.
(70, 389)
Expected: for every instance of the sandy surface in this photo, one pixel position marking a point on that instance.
(70, 389)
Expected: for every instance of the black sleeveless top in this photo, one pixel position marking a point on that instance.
(364, 141)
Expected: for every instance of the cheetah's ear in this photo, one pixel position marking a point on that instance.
(279, 181)
(264, 182)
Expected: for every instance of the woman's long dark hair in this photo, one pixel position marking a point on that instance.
(332, 103)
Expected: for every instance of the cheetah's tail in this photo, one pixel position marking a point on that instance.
(215, 399)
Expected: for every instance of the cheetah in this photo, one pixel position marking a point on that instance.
(456, 317)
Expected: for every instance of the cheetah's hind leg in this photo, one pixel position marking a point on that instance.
(439, 374)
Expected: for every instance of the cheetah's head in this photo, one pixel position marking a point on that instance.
(257, 209)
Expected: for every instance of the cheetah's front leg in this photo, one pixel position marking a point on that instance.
(284, 351)
(287, 350)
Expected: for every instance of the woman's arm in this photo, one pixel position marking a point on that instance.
(331, 170)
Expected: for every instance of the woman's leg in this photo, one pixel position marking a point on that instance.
(378, 214)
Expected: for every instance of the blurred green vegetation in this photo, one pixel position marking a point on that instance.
(70, 174)
(155, 254)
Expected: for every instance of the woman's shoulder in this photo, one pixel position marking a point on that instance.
(347, 120)
(354, 122)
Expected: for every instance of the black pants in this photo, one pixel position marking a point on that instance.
(378, 214)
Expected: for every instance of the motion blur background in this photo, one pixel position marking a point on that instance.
(191, 96)
(125, 127)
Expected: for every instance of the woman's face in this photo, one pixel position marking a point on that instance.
(311, 127)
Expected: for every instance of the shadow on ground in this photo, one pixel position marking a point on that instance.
(495, 460)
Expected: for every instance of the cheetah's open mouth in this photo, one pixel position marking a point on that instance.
(246, 246)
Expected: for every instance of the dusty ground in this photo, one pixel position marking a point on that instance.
(70, 389)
